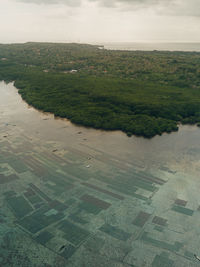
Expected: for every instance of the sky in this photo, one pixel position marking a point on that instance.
(99, 21)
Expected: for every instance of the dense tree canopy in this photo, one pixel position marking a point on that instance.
(141, 93)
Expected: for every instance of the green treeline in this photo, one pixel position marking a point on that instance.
(145, 105)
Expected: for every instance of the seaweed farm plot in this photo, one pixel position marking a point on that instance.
(68, 199)
(61, 208)
(19, 206)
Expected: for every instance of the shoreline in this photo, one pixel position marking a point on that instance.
(146, 94)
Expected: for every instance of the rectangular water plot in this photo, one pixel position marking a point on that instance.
(149, 177)
(19, 206)
(44, 237)
(40, 193)
(37, 167)
(40, 219)
(141, 219)
(161, 244)
(136, 182)
(96, 202)
(89, 208)
(180, 202)
(73, 233)
(162, 261)
(123, 188)
(17, 165)
(160, 221)
(57, 184)
(115, 232)
(78, 172)
(182, 210)
(57, 205)
(114, 195)
(7, 179)
(32, 197)
(77, 219)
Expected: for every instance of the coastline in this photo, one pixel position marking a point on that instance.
(145, 95)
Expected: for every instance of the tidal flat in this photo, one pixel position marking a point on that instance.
(73, 196)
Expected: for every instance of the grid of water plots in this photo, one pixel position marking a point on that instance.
(88, 210)
(75, 205)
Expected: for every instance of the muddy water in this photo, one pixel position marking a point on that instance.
(127, 201)
(179, 150)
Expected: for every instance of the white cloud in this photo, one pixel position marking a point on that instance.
(92, 21)
(50, 2)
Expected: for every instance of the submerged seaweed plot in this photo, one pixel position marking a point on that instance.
(70, 203)
(47, 199)
(19, 206)
(115, 232)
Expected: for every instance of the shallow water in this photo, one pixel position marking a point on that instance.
(72, 196)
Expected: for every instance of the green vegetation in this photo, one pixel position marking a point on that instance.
(141, 93)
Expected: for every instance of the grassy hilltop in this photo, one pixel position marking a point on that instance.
(141, 93)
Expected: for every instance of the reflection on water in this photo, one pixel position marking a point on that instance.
(71, 196)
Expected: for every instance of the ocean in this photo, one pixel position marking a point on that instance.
(189, 47)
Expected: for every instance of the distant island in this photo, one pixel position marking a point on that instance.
(138, 92)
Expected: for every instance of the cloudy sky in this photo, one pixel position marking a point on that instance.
(100, 20)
